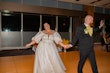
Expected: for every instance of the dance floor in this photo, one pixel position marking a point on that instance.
(24, 63)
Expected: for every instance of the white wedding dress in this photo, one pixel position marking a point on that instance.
(47, 59)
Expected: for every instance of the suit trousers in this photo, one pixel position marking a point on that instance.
(91, 56)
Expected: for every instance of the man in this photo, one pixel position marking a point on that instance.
(84, 36)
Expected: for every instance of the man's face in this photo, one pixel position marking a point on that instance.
(90, 20)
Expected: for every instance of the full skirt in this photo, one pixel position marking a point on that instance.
(47, 59)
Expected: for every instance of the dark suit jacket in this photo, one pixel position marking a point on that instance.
(85, 41)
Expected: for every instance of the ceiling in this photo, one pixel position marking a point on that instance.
(98, 3)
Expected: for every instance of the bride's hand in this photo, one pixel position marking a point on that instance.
(28, 45)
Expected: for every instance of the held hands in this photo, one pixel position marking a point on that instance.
(67, 46)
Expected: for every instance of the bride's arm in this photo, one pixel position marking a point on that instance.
(31, 43)
(63, 45)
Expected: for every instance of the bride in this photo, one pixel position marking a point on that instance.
(47, 59)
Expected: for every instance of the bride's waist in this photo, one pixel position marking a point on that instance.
(48, 41)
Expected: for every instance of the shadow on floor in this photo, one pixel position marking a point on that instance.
(16, 52)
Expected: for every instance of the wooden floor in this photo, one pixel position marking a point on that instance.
(24, 63)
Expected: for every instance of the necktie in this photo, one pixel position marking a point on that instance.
(90, 30)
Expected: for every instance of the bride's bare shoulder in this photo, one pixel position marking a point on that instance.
(43, 31)
(53, 31)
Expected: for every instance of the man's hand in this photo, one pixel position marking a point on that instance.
(101, 23)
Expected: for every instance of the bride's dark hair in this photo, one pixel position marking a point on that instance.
(43, 25)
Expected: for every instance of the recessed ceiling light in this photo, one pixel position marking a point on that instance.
(6, 11)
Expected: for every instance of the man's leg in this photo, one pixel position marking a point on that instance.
(93, 62)
(107, 47)
(82, 60)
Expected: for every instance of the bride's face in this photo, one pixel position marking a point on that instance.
(46, 26)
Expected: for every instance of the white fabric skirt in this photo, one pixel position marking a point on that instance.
(47, 59)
